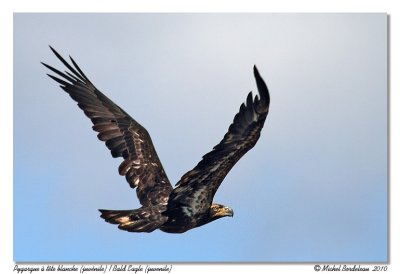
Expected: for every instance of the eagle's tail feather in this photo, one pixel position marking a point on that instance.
(112, 216)
(136, 220)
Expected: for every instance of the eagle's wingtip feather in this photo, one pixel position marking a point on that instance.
(261, 86)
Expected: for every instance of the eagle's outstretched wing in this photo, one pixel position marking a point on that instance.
(196, 189)
(123, 136)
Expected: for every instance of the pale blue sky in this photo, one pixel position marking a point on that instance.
(314, 188)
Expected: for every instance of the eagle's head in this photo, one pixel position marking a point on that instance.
(218, 211)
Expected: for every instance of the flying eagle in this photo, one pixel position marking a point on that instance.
(190, 203)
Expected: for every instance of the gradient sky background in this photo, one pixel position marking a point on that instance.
(314, 188)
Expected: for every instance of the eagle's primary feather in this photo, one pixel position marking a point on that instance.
(190, 203)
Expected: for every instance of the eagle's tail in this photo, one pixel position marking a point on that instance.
(144, 219)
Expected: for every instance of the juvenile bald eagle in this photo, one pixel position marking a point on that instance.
(190, 203)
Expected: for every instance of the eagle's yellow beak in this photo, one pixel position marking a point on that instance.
(224, 212)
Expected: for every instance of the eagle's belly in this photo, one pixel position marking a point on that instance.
(180, 224)
(176, 227)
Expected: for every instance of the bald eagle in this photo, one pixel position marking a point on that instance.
(190, 203)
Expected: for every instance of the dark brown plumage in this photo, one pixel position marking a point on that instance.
(189, 204)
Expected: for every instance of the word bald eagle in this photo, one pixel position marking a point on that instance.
(190, 203)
